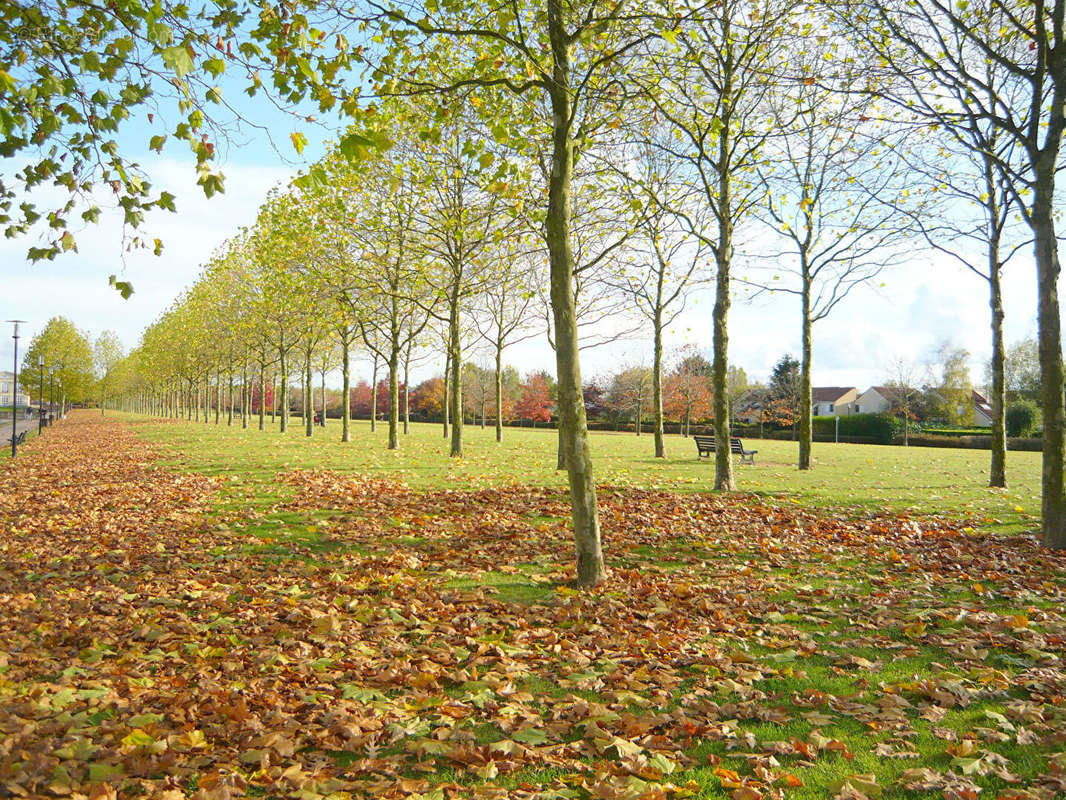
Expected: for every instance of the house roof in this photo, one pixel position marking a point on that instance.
(888, 392)
(982, 405)
(829, 394)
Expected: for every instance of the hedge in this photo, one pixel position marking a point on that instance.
(876, 428)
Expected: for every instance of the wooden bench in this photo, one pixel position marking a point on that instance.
(19, 440)
(705, 445)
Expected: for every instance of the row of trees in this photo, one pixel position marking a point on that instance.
(84, 368)
(537, 116)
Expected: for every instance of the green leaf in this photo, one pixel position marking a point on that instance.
(125, 288)
(216, 66)
(178, 60)
(531, 736)
(98, 773)
(142, 720)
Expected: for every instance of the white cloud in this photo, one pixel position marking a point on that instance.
(75, 285)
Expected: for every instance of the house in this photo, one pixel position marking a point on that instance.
(748, 408)
(7, 384)
(833, 401)
(875, 400)
(982, 411)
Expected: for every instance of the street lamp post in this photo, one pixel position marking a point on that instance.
(51, 391)
(15, 388)
(40, 398)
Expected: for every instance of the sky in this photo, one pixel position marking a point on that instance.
(925, 300)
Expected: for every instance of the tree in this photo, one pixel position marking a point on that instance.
(711, 90)
(1023, 417)
(108, 353)
(67, 350)
(986, 67)
(955, 388)
(665, 256)
(559, 61)
(77, 78)
(835, 196)
(479, 386)
(426, 397)
(534, 402)
(784, 392)
(505, 313)
(470, 208)
(736, 384)
(1022, 370)
(904, 394)
(373, 209)
(630, 394)
(594, 395)
(687, 393)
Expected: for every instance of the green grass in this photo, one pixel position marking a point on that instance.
(845, 476)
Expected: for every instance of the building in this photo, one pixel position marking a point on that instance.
(982, 411)
(875, 400)
(7, 385)
(833, 401)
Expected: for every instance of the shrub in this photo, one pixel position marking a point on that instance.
(877, 428)
(1022, 418)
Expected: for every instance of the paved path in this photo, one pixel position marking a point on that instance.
(20, 426)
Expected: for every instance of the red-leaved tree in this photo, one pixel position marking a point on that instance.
(534, 402)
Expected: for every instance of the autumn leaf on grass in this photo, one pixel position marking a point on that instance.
(531, 736)
(856, 787)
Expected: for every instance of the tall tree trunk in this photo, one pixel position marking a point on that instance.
(323, 418)
(244, 396)
(570, 403)
(308, 399)
(346, 388)
(284, 392)
(394, 374)
(262, 395)
(456, 399)
(374, 396)
(499, 392)
(229, 407)
(657, 384)
(997, 474)
(805, 398)
(723, 459)
(1053, 502)
(407, 388)
(218, 396)
(394, 395)
(446, 405)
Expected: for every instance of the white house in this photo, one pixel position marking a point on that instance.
(875, 400)
(833, 401)
(982, 411)
(7, 384)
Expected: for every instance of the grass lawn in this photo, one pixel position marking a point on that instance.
(188, 611)
(920, 480)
